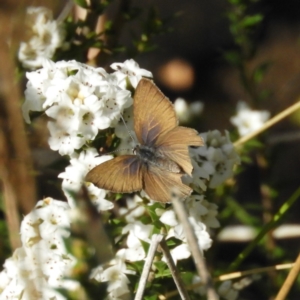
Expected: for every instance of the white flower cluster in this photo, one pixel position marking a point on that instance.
(135, 230)
(38, 267)
(213, 162)
(248, 120)
(114, 273)
(45, 37)
(74, 175)
(81, 100)
(226, 289)
(202, 216)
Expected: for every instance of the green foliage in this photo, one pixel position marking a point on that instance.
(152, 26)
(4, 243)
(82, 3)
(162, 269)
(243, 25)
(259, 72)
(82, 36)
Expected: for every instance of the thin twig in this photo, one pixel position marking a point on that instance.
(90, 226)
(65, 11)
(174, 271)
(234, 275)
(194, 247)
(20, 166)
(268, 124)
(239, 274)
(9, 196)
(156, 239)
(294, 272)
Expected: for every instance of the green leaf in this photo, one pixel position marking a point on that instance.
(145, 246)
(241, 213)
(235, 2)
(160, 266)
(260, 71)
(233, 57)
(172, 242)
(137, 265)
(108, 25)
(81, 3)
(250, 21)
(152, 211)
(281, 213)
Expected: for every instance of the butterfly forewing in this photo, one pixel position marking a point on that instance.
(174, 145)
(153, 113)
(159, 184)
(122, 174)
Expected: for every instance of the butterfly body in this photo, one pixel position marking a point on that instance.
(151, 156)
(161, 155)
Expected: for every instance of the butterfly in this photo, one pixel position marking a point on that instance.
(160, 159)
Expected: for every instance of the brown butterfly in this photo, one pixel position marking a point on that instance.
(162, 156)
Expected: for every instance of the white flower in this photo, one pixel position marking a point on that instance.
(38, 267)
(137, 231)
(202, 210)
(204, 240)
(169, 218)
(41, 81)
(185, 111)
(213, 162)
(74, 178)
(131, 69)
(46, 36)
(62, 140)
(248, 120)
(114, 101)
(114, 273)
(226, 290)
(176, 230)
(200, 289)
(135, 250)
(98, 196)
(134, 209)
(180, 252)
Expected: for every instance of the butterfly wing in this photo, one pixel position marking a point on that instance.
(121, 174)
(153, 113)
(174, 145)
(159, 184)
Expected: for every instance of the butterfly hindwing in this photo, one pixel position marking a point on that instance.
(153, 113)
(122, 174)
(174, 145)
(159, 184)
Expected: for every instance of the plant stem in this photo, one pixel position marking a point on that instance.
(156, 239)
(182, 215)
(293, 274)
(268, 124)
(174, 271)
(277, 217)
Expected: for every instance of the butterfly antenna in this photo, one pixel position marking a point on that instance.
(127, 129)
